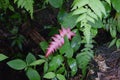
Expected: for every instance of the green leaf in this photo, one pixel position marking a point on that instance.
(43, 45)
(118, 22)
(60, 17)
(98, 24)
(30, 58)
(118, 43)
(56, 3)
(3, 57)
(79, 3)
(69, 21)
(33, 74)
(5, 4)
(112, 42)
(55, 62)
(92, 15)
(113, 31)
(73, 65)
(107, 8)
(66, 48)
(115, 5)
(37, 62)
(75, 42)
(79, 11)
(49, 75)
(11, 8)
(45, 67)
(61, 77)
(108, 1)
(17, 64)
(69, 53)
(60, 70)
(99, 9)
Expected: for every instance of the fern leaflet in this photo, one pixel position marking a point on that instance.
(27, 4)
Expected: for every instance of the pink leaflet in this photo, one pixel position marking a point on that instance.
(58, 40)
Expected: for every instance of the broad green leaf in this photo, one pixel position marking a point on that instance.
(43, 45)
(61, 77)
(33, 74)
(55, 62)
(116, 5)
(107, 8)
(73, 66)
(17, 64)
(76, 41)
(118, 43)
(3, 57)
(113, 31)
(69, 53)
(49, 75)
(61, 70)
(69, 21)
(60, 17)
(66, 48)
(30, 58)
(118, 22)
(37, 62)
(108, 1)
(56, 3)
(112, 42)
(45, 67)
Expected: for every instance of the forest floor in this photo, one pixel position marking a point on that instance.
(104, 66)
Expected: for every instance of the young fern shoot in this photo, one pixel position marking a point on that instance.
(58, 40)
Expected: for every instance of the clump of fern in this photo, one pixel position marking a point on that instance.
(88, 11)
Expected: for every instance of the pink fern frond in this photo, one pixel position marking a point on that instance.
(58, 40)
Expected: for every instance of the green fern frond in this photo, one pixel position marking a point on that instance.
(108, 1)
(27, 4)
(87, 33)
(88, 11)
(93, 9)
(79, 3)
(5, 4)
(83, 59)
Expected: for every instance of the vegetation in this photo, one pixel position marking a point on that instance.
(80, 21)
